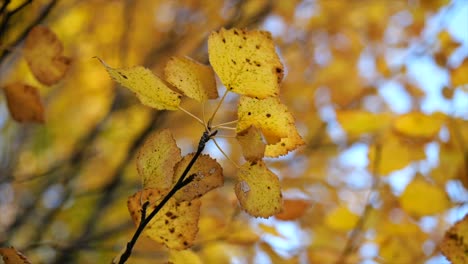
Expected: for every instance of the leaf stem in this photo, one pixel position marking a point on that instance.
(225, 155)
(218, 106)
(192, 115)
(181, 182)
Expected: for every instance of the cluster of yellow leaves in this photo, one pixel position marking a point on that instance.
(43, 53)
(246, 63)
(160, 165)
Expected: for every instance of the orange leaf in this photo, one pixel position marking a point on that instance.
(293, 209)
(12, 256)
(43, 52)
(455, 243)
(24, 103)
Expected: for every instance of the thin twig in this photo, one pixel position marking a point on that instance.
(225, 155)
(207, 135)
(193, 116)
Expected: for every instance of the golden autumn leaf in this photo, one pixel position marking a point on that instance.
(422, 198)
(258, 190)
(151, 90)
(251, 142)
(419, 126)
(208, 175)
(458, 75)
(273, 119)
(394, 154)
(12, 256)
(455, 243)
(24, 103)
(43, 52)
(341, 218)
(246, 62)
(195, 80)
(184, 256)
(400, 249)
(293, 209)
(175, 225)
(240, 234)
(156, 160)
(357, 122)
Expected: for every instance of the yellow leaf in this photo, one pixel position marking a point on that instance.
(258, 190)
(341, 219)
(274, 120)
(293, 209)
(396, 249)
(418, 126)
(24, 103)
(151, 90)
(183, 257)
(455, 243)
(241, 234)
(394, 154)
(357, 122)
(421, 198)
(195, 80)
(12, 256)
(43, 52)
(156, 160)
(252, 144)
(175, 225)
(459, 75)
(208, 175)
(246, 62)
(271, 230)
(292, 141)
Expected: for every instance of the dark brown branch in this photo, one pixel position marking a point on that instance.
(181, 182)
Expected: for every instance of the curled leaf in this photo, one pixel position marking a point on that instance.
(24, 103)
(43, 53)
(258, 190)
(151, 90)
(246, 62)
(252, 144)
(195, 80)
(208, 175)
(175, 225)
(156, 160)
(274, 120)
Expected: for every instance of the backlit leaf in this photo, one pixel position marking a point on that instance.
(293, 209)
(418, 126)
(151, 90)
(183, 256)
(459, 76)
(341, 218)
(421, 198)
(208, 175)
(251, 141)
(195, 80)
(292, 141)
(246, 62)
(175, 225)
(24, 103)
(156, 160)
(12, 256)
(258, 190)
(455, 243)
(357, 123)
(43, 52)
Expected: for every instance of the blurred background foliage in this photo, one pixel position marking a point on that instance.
(378, 89)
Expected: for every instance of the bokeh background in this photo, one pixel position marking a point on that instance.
(365, 189)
